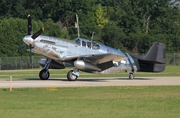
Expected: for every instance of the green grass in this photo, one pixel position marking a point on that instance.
(34, 73)
(88, 102)
(91, 102)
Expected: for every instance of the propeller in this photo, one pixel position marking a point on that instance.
(29, 26)
(34, 36)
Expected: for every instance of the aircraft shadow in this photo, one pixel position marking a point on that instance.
(87, 79)
(84, 79)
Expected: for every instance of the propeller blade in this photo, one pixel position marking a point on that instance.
(30, 47)
(34, 36)
(20, 47)
(29, 25)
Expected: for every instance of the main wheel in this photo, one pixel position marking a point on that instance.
(71, 76)
(44, 74)
(131, 76)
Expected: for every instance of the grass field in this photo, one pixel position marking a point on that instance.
(91, 102)
(34, 73)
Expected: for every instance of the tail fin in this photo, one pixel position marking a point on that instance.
(154, 60)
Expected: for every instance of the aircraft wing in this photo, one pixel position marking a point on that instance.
(102, 58)
(102, 61)
(98, 58)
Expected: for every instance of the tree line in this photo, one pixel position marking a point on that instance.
(127, 25)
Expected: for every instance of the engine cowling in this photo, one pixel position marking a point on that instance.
(85, 66)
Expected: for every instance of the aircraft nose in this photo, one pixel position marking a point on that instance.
(28, 40)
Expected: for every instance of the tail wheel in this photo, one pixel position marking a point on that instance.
(71, 76)
(131, 76)
(44, 74)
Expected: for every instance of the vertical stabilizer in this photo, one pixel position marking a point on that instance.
(156, 53)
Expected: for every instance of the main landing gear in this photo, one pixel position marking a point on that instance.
(131, 76)
(44, 73)
(72, 75)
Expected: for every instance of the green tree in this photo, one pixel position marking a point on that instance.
(125, 24)
(100, 16)
(113, 36)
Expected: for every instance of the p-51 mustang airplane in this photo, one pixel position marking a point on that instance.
(90, 56)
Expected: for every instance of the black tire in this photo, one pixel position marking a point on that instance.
(44, 74)
(71, 76)
(131, 76)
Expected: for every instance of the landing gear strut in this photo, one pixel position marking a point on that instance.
(44, 73)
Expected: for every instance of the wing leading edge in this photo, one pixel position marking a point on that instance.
(101, 61)
(96, 58)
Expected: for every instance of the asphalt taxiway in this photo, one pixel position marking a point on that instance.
(63, 82)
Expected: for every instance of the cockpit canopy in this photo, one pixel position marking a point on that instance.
(86, 43)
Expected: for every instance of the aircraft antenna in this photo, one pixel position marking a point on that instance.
(92, 39)
(77, 25)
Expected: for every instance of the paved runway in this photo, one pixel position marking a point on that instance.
(139, 81)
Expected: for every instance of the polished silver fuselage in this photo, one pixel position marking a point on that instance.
(63, 50)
